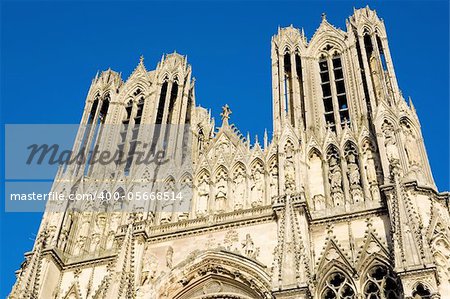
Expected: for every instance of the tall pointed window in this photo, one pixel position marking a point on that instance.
(288, 87)
(381, 51)
(333, 95)
(298, 68)
(159, 114)
(326, 94)
(340, 91)
(94, 129)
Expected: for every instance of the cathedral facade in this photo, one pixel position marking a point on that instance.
(339, 202)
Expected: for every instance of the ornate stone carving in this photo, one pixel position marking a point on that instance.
(249, 247)
(169, 256)
(203, 196)
(390, 143)
(411, 149)
(257, 187)
(239, 190)
(221, 191)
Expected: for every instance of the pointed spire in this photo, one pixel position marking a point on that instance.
(141, 59)
(266, 141)
(324, 16)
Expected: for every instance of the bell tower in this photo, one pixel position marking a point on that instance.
(288, 79)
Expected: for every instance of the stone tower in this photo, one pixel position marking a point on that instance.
(339, 203)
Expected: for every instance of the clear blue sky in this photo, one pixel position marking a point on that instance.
(50, 51)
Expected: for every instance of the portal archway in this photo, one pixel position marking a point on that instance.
(217, 274)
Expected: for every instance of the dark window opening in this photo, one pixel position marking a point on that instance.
(421, 292)
(363, 77)
(368, 45)
(287, 63)
(382, 56)
(326, 94)
(340, 87)
(162, 98)
(340, 91)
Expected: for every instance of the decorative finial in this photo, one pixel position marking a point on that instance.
(324, 16)
(141, 59)
(265, 138)
(226, 111)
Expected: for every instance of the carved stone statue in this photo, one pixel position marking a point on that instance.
(239, 191)
(221, 194)
(411, 149)
(203, 196)
(149, 266)
(257, 188)
(353, 171)
(289, 176)
(169, 255)
(249, 247)
(391, 144)
(335, 176)
(371, 171)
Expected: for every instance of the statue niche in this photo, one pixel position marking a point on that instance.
(239, 193)
(289, 169)
(353, 173)
(186, 198)
(257, 187)
(221, 190)
(335, 177)
(411, 145)
(371, 171)
(167, 205)
(201, 208)
(315, 178)
(390, 143)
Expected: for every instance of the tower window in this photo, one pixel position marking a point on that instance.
(340, 91)
(335, 105)
(382, 57)
(326, 94)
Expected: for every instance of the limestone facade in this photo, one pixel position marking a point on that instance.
(339, 202)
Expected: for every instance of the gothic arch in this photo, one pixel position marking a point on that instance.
(333, 39)
(350, 145)
(203, 172)
(217, 274)
(256, 162)
(336, 284)
(389, 120)
(333, 149)
(130, 91)
(404, 120)
(286, 49)
(238, 165)
(220, 169)
(165, 77)
(316, 151)
(185, 175)
(379, 281)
